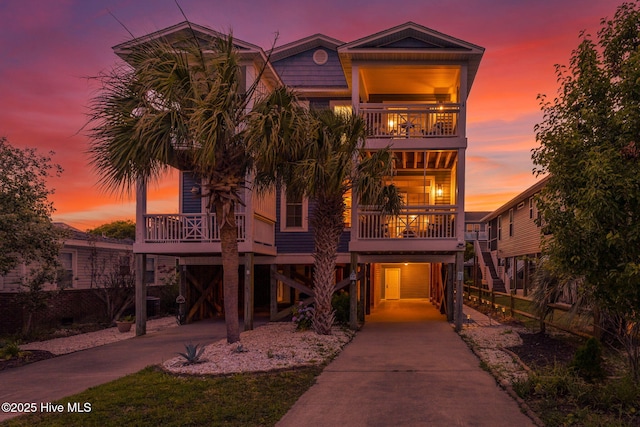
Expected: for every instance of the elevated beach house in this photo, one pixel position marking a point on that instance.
(410, 84)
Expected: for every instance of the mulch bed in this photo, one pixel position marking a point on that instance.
(26, 358)
(541, 350)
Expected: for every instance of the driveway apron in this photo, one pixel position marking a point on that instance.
(62, 376)
(406, 367)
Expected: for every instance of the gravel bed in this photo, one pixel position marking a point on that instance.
(489, 342)
(270, 347)
(280, 346)
(79, 342)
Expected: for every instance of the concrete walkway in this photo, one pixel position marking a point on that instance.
(407, 367)
(62, 376)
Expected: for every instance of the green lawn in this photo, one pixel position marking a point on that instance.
(152, 397)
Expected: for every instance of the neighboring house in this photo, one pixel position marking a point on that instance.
(411, 85)
(509, 257)
(83, 256)
(474, 226)
(475, 230)
(85, 260)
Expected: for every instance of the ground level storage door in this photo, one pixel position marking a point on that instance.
(392, 283)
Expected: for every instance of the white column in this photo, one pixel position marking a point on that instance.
(141, 209)
(460, 183)
(462, 117)
(141, 259)
(355, 87)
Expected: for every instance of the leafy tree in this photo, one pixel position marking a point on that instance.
(26, 231)
(122, 229)
(589, 146)
(113, 279)
(32, 296)
(181, 104)
(324, 168)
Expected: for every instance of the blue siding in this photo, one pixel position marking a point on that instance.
(294, 242)
(301, 70)
(190, 202)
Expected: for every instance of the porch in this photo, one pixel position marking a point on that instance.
(199, 233)
(414, 222)
(425, 120)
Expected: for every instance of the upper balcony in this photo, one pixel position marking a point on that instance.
(411, 120)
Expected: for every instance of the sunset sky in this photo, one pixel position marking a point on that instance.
(50, 48)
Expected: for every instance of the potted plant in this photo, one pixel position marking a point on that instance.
(124, 324)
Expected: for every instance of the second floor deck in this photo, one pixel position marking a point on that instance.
(419, 228)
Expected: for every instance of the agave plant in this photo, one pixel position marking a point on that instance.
(192, 353)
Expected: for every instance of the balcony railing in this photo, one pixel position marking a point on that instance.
(174, 228)
(411, 120)
(416, 222)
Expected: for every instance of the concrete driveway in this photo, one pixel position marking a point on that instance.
(62, 376)
(406, 367)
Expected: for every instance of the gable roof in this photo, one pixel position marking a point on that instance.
(183, 30)
(535, 188)
(411, 41)
(302, 45)
(205, 36)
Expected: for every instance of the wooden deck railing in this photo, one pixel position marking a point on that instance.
(419, 222)
(503, 304)
(411, 120)
(169, 228)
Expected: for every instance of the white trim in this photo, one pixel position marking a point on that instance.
(74, 266)
(283, 215)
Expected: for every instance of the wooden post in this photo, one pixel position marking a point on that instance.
(449, 291)
(353, 298)
(525, 291)
(141, 294)
(273, 306)
(511, 303)
(361, 299)
(141, 259)
(248, 291)
(367, 278)
(459, 289)
(183, 290)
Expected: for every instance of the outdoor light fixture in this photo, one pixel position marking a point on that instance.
(439, 191)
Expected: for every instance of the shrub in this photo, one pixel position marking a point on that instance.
(340, 304)
(192, 353)
(587, 361)
(302, 316)
(10, 350)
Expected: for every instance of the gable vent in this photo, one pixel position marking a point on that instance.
(320, 57)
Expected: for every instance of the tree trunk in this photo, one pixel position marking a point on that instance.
(328, 223)
(230, 264)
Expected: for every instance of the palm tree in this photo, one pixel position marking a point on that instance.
(324, 167)
(181, 104)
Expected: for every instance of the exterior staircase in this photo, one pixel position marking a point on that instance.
(495, 282)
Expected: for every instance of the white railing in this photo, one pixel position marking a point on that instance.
(171, 228)
(428, 222)
(411, 120)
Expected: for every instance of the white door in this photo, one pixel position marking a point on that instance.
(392, 283)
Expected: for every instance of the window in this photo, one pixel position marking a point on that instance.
(530, 207)
(499, 228)
(341, 107)
(65, 274)
(510, 222)
(150, 271)
(124, 262)
(293, 213)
